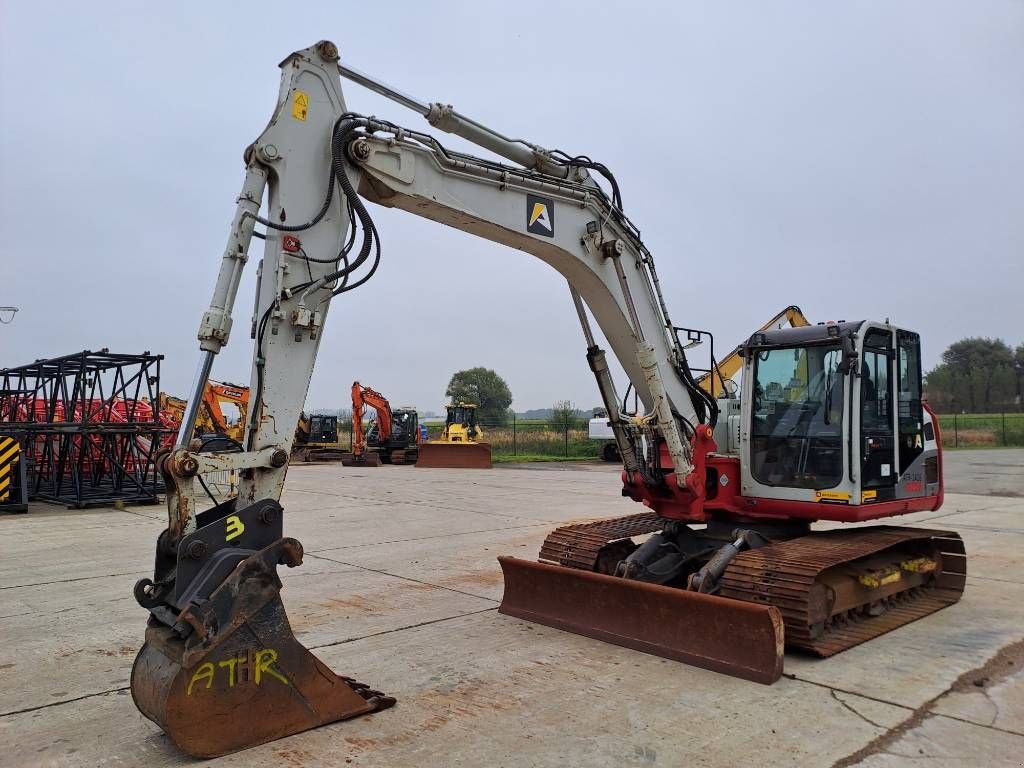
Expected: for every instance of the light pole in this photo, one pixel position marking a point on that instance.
(7, 314)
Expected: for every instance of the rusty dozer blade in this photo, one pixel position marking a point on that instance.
(221, 669)
(455, 455)
(729, 636)
(365, 459)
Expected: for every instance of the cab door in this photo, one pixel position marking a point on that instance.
(877, 421)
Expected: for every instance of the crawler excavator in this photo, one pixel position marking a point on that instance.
(830, 426)
(316, 438)
(394, 438)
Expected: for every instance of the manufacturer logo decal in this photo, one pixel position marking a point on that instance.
(540, 216)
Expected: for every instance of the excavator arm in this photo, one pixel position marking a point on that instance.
(365, 396)
(215, 393)
(318, 162)
(218, 645)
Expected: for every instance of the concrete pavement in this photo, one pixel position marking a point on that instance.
(400, 588)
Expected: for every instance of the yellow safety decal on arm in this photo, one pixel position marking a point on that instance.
(300, 106)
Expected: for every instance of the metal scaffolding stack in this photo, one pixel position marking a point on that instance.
(88, 425)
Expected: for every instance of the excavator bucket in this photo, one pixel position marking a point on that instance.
(455, 455)
(366, 459)
(225, 672)
(729, 636)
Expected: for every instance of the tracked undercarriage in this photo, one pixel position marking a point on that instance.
(829, 590)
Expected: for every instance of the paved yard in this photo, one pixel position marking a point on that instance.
(400, 588)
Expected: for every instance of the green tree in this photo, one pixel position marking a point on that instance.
(976, 375)
(484, 388)
(564, 416)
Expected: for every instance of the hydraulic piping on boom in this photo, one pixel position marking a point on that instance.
(814, 441)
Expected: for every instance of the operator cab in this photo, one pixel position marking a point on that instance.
(323, 428)
(462, 413)
(833, 413)
(404, 427)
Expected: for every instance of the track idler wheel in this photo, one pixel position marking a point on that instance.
(230, 674)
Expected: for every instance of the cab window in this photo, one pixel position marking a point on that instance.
(911, 413)
(796, 435)
(876, 418)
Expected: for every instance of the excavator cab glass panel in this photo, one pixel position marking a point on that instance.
(323, 429)
(460, 415)
(797, 430)
(403, 423)
(910, 411)
(876, 417)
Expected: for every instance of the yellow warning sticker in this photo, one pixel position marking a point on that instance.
(300, 106)
(842, 496)
(868, 496)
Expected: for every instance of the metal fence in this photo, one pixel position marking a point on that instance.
(526, 439)
(982, 430)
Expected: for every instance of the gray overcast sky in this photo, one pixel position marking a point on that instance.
(860, 159)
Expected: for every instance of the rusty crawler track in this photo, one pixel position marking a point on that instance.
(794, 576)
(578, 546)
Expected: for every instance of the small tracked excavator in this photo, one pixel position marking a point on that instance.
(316, 438)
(722, 569)
(461, 442)
(394, 437)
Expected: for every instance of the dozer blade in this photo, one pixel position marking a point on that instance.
(455, 455)
(368, 459)
(230, 674)
(728, 636)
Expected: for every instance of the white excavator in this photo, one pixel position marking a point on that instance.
(725, 570)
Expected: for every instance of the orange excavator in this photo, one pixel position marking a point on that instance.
(211, 419)
(394, 438)
(214, 394)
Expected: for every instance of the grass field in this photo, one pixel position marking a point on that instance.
(979, 430)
